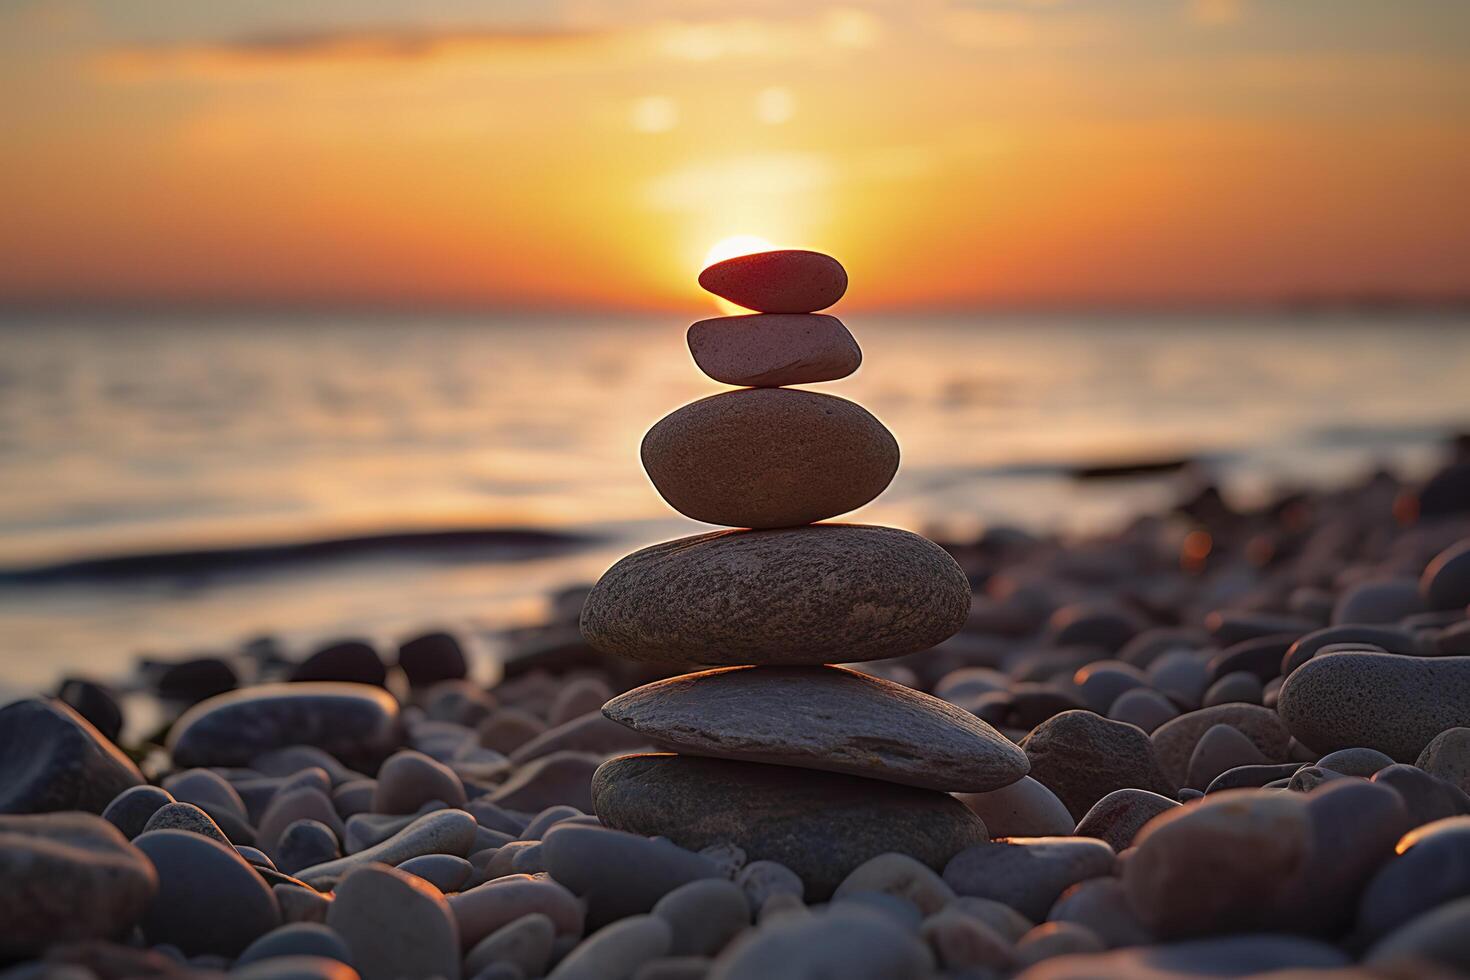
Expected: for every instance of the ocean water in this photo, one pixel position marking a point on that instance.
(131, 436)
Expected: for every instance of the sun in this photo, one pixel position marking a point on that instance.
(729, 248)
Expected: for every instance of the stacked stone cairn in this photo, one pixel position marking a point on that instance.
(817, 767)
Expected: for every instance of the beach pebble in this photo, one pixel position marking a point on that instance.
(209, 900)
(430, 658)
(409, 779)
(615, 951)
(1105, 626)
(1220, 749)
(591, 732)
(1354, 827)
(348, 720)
(850, 943)
(296, 939)
(525, 943)
(1184, 677)
(1437, 935)
(1252, 777)
(191, 681)
(439, 832)
(51, 758)
(810, 595)
(351, 661)
(899, 875)
(997, 915)
(1432, 867)
(548, 818)
(801, 716)
(1117, 818)
(1308, 778)
(820, 825)
(292, 760)
(395, 924)
(1103, 681)
(1082, 757)
(771, 350)
(131, 809)
(291, 805)
(780, 281)
(95, 702)
(66, 877)
(1379, 602)
(186, 816)
(962, 942)
(509, 728)
(1390, 639)
(1025, 808)
(1027, 874)
(616, 873)
(255, 856)
(704, 915)
(1174, 741)
(363, 830)
(558, 778)
(1447, 756)
(1242, 955)
(205, 789)
(769, 457)
(1052, 939)
(1144, 707)
(1100, 905)
(484, 909)
(762, 880)
(1356, 761)
(1395, 704)
(299, 903)
(1427, 797)
(304, 844)
(577, 698)
(1239, 686)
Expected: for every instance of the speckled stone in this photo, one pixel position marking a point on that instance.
(1082, 757)
(51, 758)
(1395, 704)
(780, 281)
(772, 349)
(1174, 741)
(1028, 873)
(820, 825)
(769, 457)
(1025, 808)
(1448, 756)
(347, 720)
(66, 877)
(185, 816)
(1118, 817)
(1356, 761)
(826, 718)
(812, 595)
(131, 809)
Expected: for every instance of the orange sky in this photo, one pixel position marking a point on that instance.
(547, 154)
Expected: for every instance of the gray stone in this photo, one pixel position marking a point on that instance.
(297, 939)
(772, 349)
(486, 908)
(210, 900)
(130, 810)
(1437, 935)
(206, 789)
(821, 825)
(1052, 939)
(1393, 639)
(1101, 905)
(445, 872)
(1447, 756)
(346, 720)
(51, 758)
(804, 716)
(615, 951)
(810, 595)
(409, 779)
(440, 832)
(1028, 873)
(525, 943)
(1432, 867)
(1239, 686)
(291, 805)
(1243, 955)
(995, 914)
(67, 877)
(395, 924)
(961, 942)
(901, 876)
(1355, 761)
(1252, 777)
(1025, 808)
(1395, 704)
(850, 943)
(1118, 817)
(1144, 707)
(704, 915)
(305, 844)
(1220, 749)
(1082, 757)
(1428, 798)
(1378, 602)
(619, 874)
(186, 816)
(1174, 741)
(301, 904)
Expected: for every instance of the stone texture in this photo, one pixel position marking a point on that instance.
(347, 720)
(1220, 749)
(66, 877)
(811, 595)
(51, 758)
(1118, 817)
(396, 925)
(1082, 757)
(821, 825)
(1395, 704)
(131, 809)
(772, 349)
(1174, 741)
(439, 832)
(826, 718)
(209, 900)
(769, 457)
(780, 281)
(1028, 873)
(1448, 756)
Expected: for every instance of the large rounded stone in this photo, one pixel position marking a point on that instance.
(209, 899)
(782, 281)
(1118, 817)
(1082, 757)
(1175, 741)
(811, 595)
(823, 718)
(1432, 867)
(351, 721)
(51, 758)
(769, 457)
(773, 349)
(66, 877)
(820, 825)
(395, 924)
(1395, 704)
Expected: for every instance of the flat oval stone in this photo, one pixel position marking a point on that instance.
(820, 825)
(396, 924)
(347, 720)
(768, 350)
(826, 718)
(769, 457)
(836, 593)
(782, 281)
(1395, 704)
(66, 877)
(51, 758)
(210, 900)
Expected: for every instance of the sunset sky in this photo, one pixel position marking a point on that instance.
(590, 154)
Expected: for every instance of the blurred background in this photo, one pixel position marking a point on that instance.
(346, 318)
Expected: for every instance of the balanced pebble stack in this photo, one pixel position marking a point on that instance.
(817, 767)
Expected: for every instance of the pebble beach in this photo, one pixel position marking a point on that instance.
(1222, 741)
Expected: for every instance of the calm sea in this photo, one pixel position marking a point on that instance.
(129, 436)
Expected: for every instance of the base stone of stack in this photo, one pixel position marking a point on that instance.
(830, 593)
(820, 825)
